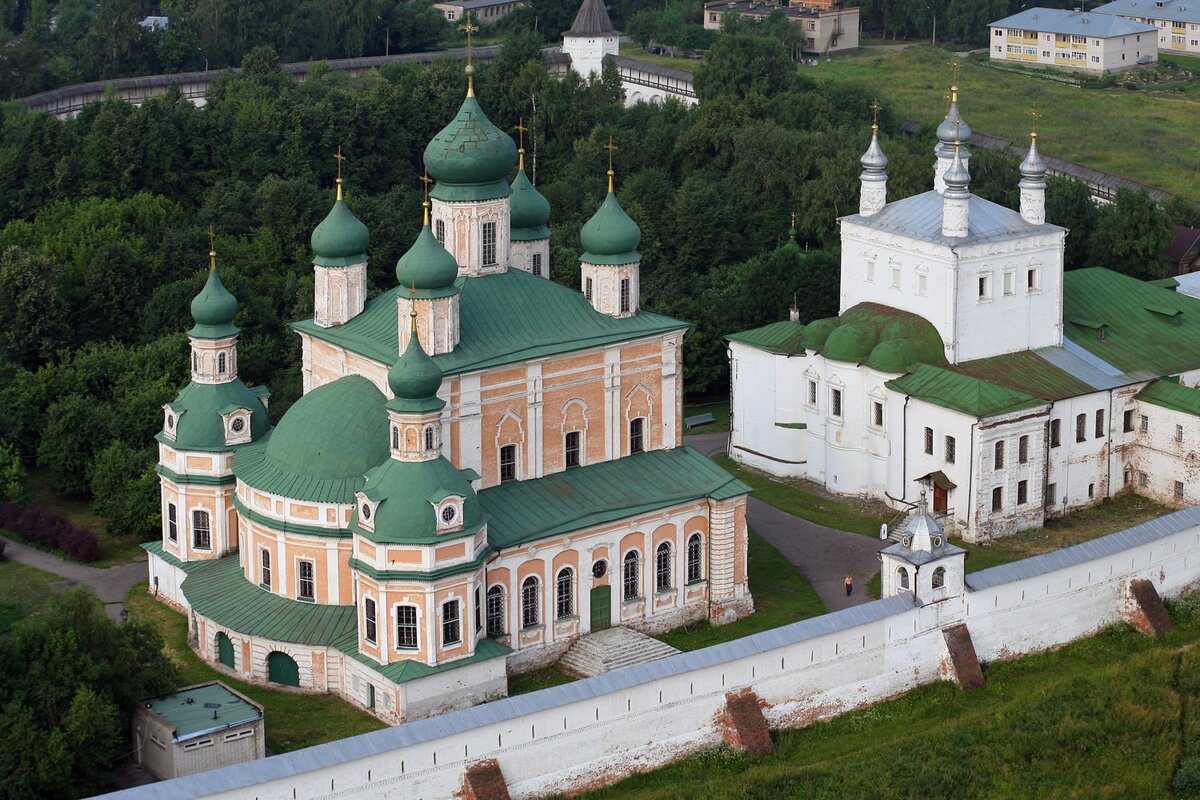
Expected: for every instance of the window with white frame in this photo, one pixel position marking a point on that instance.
(902, 574)
(637, 442)
(922, 284)
(587, 288)
(508, 463)
(695, 554)
(489, 243)
(1023, 450)
(835, 402)
(950, 446)
(662, 567)
(530, 603)
(369, 631)
(1179, 433)
(939, 578)
(985, 287)
(571, 449)
(812, 393)
(1010, 282)
(564, 594)
(877, 413)
(428, 438)
(451, 623)
(222, 363)
(495, 611)
(625, 296)
(929, 441)
(439, 231)
(631, 578)
(537, 264)
(264, 563)
(201, 530)
(478, 610)
(998, 456)
(307, 584)
(406, 627)
(172, 523)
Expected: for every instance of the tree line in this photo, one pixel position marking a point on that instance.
(963, 21)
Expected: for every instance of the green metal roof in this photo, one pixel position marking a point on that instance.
(213, 310)
(201, 709)
(1027, 372)
(1168, 393)
(524, 511)
(610, 236)
(506, 318)
(785, 338)
(402, 671)
(198, 409)
(323, 446)
(340, 239)
(1148, 330)
(406, 491)
(963, 393)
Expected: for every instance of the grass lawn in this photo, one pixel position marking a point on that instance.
(293, 720)
(1069, 723)
(538, 679)
(809, 501)
(1149, 136)
(23, 590)
(781, 595)
(1090, 523)
(634, 50)
(719, 409)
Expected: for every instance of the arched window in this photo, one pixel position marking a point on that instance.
(695, 570)
(939, 577)
(369, 632)
(201, 530)
(903, 577)
(530, 607)
(221, 363)
(428, 437)
(631, 579)
(564, 594)
(406, 627)
(495, 611)
(662, 567)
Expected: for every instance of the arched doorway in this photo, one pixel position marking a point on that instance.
(224, 650)
(282, 668)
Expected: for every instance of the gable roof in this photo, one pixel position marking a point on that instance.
(1080, 23)
(1169, 393)
(591, 20)
(1179, 10)
(506, 318)
(785, 338)
(1026, 371)
(962, 393)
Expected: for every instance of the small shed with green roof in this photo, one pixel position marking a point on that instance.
(196, 729)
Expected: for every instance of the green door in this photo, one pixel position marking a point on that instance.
(601, 608)
(224, 650)
(281, 668)
(370, 695)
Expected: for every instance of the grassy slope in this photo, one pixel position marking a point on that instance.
(293, 720)
(23, 590)
(1067, 724)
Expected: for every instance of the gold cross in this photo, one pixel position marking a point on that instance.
(954, 65)
(339, 158)
(793, 219)
(1035, 114)
(521, 127)
(875, 112)
(212, 248)
(469, 29)
(425, 179)
(610, 147)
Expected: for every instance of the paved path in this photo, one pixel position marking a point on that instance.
(823, 554)
(110, 585)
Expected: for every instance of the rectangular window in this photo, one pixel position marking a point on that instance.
(1055, 432)
(1051, 489)
(877, 413)
(1179, 433)
(1022, 492)
(265, 562)
(998, 456)
(369, 631)
(835, 398)
(1023, 450)
(439, 229)
(451, 624)
(1009, 283)
(625, 298)
(895, 278)
(571, 448)
(1143, 480)
(489, 244)
(1178, 490)
(929, 441)
(201, 530)
(508, 463)
(406, 627)
(537, 264)
(985, 289)
(478, 610)
(587, 289)
(495, 611)
(812, 393)
(307, 584)
(1081, 427)
(636, 442)
(1127, 421)
(997, 498)
(870, 271)
(1091, 490)
(950, 449)
(1100, 424)
(1144, 423)
(1127, 476)
(922, 284)
(172, 523)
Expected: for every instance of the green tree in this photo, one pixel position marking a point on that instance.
(124, 489)
(13, 478)
(1131, 234)
(77, 428)
(742, 65)
(1069, 204)
(34, 322)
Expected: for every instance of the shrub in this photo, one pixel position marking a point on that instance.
(1187, 777)
(45, 529)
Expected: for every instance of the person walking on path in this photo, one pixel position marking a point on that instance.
(849, 584)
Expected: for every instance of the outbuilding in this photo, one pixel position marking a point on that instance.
(196, 729)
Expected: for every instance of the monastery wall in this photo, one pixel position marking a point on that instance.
(598, 730)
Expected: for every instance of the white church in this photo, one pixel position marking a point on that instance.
(966, 364)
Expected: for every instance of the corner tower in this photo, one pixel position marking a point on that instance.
(213, 416)
(339, 246)
(470, 160)
(591, 38)
(610, 266)
(530, 213)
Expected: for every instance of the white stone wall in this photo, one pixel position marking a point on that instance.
(340, 293)
(1167, 452)
(570, 737)
(587, 52)
(166, 582)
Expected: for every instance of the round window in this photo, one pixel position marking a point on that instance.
(170, 422)
(448, 514)
(238, 425)
(365, 513)
(599, 568)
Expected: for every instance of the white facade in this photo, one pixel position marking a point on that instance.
(1176, 22)
(1077, 51)
(587, 52)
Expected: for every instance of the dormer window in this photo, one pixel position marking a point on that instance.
(366, 511)
(237, 426)
(448, 514)
(170, 422)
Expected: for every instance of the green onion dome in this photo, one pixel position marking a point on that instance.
(427, 265)
(341, 239)
(323, 446)
(213, 309)
(470, 158)
(530, 211)
(414, 377)
(610, 236)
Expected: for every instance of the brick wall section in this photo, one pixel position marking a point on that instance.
(1145, 609)
(745, 727)
(963, 661)
(484, 781)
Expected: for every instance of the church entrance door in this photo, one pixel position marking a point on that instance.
(282, 668)
(601, 608)
(939, 499)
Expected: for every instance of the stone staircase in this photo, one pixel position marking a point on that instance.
(611, 649)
